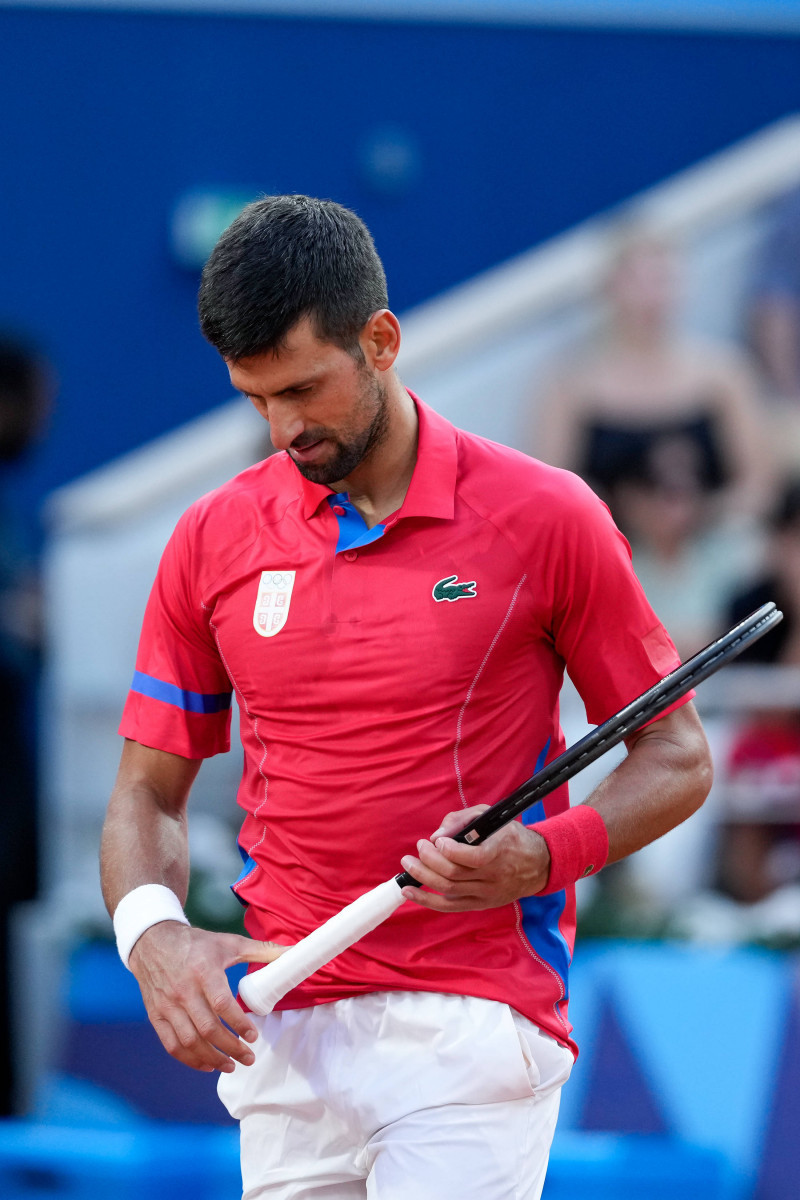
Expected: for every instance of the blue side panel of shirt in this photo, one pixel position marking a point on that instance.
(541, 914)
(249, 865)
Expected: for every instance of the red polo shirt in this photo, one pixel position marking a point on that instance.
(386, 677)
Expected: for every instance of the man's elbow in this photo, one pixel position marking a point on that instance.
(698, 772)
(680, 742)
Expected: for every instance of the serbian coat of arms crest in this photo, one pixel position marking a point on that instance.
(272, 602)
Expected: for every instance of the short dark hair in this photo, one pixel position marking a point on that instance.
(284, 258)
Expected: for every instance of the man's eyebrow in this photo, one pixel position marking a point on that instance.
(295, 386)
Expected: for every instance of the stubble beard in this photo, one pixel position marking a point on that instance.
(351, 451)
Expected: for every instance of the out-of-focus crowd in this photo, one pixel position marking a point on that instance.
(695, 447)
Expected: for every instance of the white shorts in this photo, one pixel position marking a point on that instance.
(394, 1095)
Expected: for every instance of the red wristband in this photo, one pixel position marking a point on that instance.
(578, 843)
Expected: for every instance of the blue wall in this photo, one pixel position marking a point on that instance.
(107, 117)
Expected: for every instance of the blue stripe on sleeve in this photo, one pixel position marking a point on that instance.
(197, 702)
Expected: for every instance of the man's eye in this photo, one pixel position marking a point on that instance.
(301, 391)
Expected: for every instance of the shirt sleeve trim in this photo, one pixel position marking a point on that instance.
(169, 693)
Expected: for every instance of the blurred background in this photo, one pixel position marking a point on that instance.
(589, 213)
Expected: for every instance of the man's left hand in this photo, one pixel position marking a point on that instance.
(512, 863)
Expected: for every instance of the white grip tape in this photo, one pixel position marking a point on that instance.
(261, 990)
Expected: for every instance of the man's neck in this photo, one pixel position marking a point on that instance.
(379, 483)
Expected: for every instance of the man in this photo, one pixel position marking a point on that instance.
(393, 602)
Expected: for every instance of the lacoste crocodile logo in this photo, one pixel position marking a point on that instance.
(448, 589)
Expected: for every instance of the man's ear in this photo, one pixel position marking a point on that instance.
(380, 339)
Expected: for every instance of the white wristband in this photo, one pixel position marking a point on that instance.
(138, 910)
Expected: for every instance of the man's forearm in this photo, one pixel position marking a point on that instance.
(664, 778)
(142, 844)
(180, 969)
(145, 833)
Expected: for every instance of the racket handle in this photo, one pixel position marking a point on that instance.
(261, 990)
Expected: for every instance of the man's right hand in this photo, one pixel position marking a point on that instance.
(181, 972)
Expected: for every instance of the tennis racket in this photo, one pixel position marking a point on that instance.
(261, 990)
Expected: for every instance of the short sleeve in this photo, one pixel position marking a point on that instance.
(612, 642)
(180, 697)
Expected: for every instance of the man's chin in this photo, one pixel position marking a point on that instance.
(315, 474)
(324, 473)
(328, 473)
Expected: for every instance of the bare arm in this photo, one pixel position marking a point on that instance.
(145, 835)
(556, 430)
(775, 322)
(181, 970)
(665, 777)
(744, 442)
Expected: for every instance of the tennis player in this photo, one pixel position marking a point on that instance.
(394, 603)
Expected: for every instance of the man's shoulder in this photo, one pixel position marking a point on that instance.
(263, 490)
(497, 476)
(220, 526)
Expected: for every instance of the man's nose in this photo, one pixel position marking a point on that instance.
(284, 427)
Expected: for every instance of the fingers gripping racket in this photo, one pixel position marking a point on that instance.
(261, 990)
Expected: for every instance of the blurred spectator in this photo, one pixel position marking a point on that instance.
(646, 387)
(775, 306)
(25, 389)
(780, 582)
(759, 844)
(759, 837)
(687, 564)
(666, 430)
